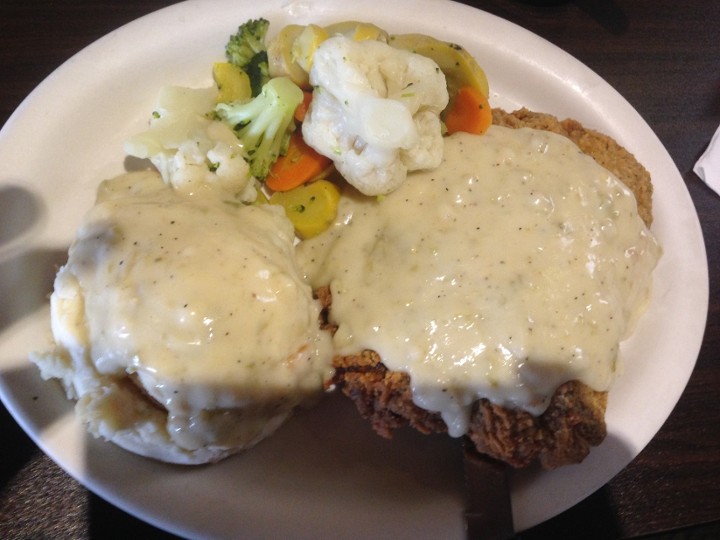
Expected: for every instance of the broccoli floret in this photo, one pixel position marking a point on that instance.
(264, 123)
(258, 72)
(247, 42)
(247, 50)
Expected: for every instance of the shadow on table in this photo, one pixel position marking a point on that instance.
(317, 472)
(324, 474)
(607, 13)
(26, 280)
(594, 516)
(38, 403)
(108, 521)
(26, 271)
(12, 456)
(317, 463)
(19, 211)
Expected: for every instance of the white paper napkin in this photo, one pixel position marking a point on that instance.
(708, 166)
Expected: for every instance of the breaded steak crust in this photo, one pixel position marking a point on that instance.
(575, 419)
(564, 433)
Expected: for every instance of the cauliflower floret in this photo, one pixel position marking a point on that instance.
(190, 150)
(375, 112)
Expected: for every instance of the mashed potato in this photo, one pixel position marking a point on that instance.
(181, 323)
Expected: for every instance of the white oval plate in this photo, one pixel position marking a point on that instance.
(325, 474)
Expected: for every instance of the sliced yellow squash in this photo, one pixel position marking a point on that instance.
(232, 82)
(311, 208)
(458, 65)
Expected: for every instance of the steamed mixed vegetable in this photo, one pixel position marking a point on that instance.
(286, 116)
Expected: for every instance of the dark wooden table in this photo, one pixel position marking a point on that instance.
(662, 55)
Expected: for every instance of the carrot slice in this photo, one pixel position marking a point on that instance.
(300, 164)
(302, 109)
(469, 112)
